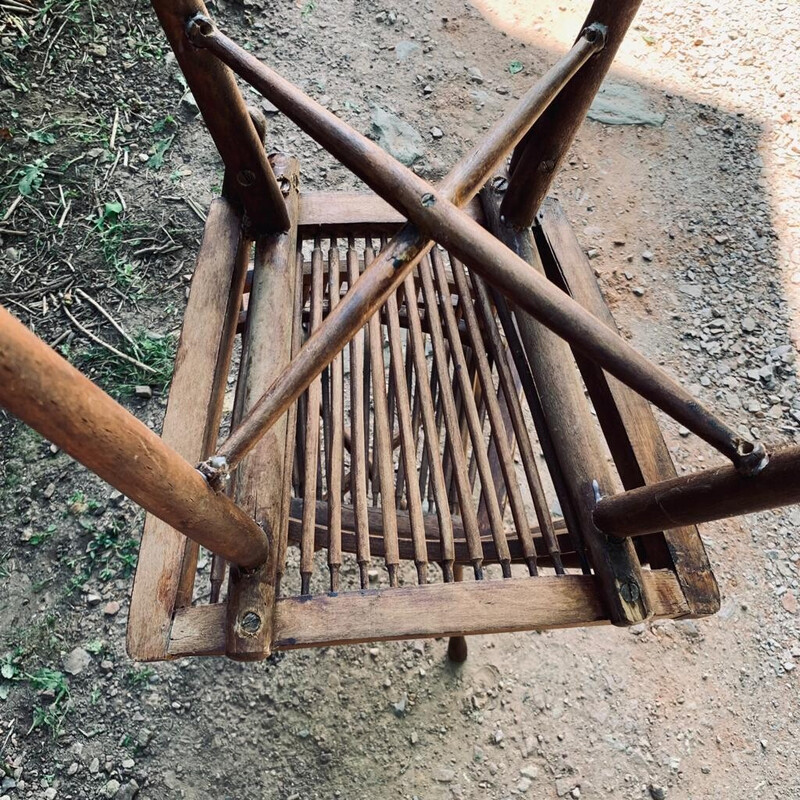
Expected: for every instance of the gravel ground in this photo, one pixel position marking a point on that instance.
(693, 224)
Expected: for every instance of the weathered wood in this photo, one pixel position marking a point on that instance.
(537, 158)
(458, 458)
(577, 442)
(513, 405)
(701, 497)
(631, 430)
(455, 609)
(407, 247)
(225, 114)
(336, 455)
(358, 471)
(355, 214)
(190, 424)
(259, 480)
(311, 455)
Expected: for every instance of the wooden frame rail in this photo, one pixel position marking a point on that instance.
(444, 609)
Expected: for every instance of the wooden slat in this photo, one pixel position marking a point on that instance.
(632, 432)
(455, 609)
(186, 426)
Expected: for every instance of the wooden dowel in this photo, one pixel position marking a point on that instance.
(408, 449)
(578, 442)
(701, 497)
(383, 454)
(358, 471)
(459, 461)
(473, 420)
(336, 454)
(311, 456)
(389, 270)
(431, 539)
(46, 392)
(412, 440)
(369, 433)
(430, 432)
(538, 156)
(497, 423)
(225, 114)
(508, 386)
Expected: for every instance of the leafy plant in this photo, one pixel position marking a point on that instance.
(52, 715)
(42, 136)
(156, 161)
(37, 538)
(30, 177)
(308, 9)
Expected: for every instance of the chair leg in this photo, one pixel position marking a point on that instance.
(457, 646)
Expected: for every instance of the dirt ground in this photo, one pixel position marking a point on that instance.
(694, 230)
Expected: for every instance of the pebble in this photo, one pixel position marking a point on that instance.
(748, 324)
(524, 784)
(529, 772)
(657, 792)
(76, 661)
(112, 609)
(94, 766)
(143, 391)
(789, 602)
(93, 600)
(111, 788)
(444, 775)
(50, 793)
(437, 132)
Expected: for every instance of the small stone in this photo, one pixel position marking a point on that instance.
(748, 324)
(48, 492)
(128, 763)
(529, 772)
(474, 75)
(498, 736)
(93, 599)
(437, 132)
(638, 291)
(396, 136)
(789, 602)
(524, 784)
(111, 788)
(405, 50)
(788, 665)
(576, 792)
(94, 766)
(128, 791)
(647, 255)
(73, 768)
(564, 786)
(143, 391)
(98, 50)
(373, 575)
(400, 706)
(620, 104)
(657, 792)
(414, 738)
(50, 794)
(112, 609)
(444, 775)
(76, 661)
(143, 737)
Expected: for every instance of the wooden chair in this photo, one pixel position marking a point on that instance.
(384, 384)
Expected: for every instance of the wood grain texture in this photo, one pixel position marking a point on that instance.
(632, 432)
(259, 479)
(577, 441)
(449, 609)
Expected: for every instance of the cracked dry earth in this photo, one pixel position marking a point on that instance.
(692, 221)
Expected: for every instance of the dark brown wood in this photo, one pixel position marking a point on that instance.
(259, 480)
(701, 497)
(456, 609)
(431, 539)
(628, 422)
(358, 471)
(226, 116)
(577, 441)
(454, 443)
(336, 454)
(537, 158)
(407, 247)
(514, 407)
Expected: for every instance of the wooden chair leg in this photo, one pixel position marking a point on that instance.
(457, 646)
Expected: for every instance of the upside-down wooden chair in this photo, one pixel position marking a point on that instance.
(397, 350)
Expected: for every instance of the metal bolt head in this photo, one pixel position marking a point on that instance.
(245, 177)
(250, 623)
(427, 200)
(630, 592)
(499, 184)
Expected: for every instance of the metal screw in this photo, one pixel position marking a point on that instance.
(427, 200)
(246, 177)
(250, 623)
(499, 184)
(630, 592)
